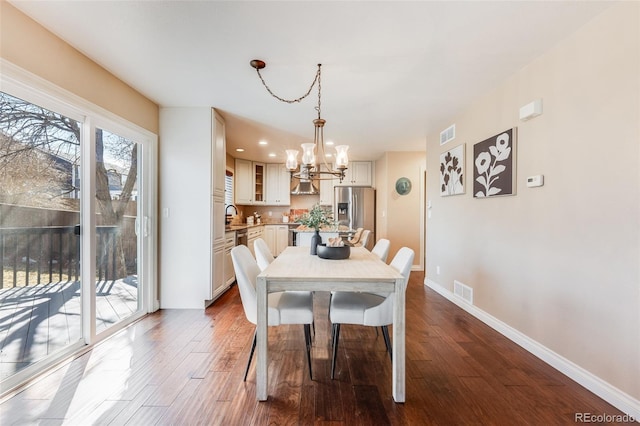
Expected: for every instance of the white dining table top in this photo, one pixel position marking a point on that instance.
(362, 266)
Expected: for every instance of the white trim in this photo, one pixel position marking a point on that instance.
(614, 396)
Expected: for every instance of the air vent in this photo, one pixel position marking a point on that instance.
(448, 134)
(463, 291)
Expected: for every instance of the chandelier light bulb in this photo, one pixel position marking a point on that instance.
(292, 159)
(342, 158)
(308, 154)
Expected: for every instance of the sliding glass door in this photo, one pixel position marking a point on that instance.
(76, 235)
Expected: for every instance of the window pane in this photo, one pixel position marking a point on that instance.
(39, 241)
(116, 241)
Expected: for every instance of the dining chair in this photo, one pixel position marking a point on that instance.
(381, 249)
(367, 309)
(286, 307)
(263, 255)
(364, 239)
(355, 238)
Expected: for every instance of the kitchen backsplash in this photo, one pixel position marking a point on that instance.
(299, 205)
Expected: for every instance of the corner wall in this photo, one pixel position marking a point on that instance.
(398, 216)
(558, 263)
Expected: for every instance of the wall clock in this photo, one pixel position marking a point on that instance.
(403, 186)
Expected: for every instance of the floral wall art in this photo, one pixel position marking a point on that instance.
(494, 165)
(452, 171)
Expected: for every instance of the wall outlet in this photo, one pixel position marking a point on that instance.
(437, 270)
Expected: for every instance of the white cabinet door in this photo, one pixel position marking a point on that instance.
(278, 185)
(218, 281)
(282, 239)
(218, 221)
(326, 190)
(270, 237)
(219, 160)
(243, 182)
(229, 244)
(359, 173)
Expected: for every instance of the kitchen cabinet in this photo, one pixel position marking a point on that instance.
(229, 244)
(276, 237)
(359, 173)
(249, 182)
(191, 262)
(253, 234)
(278, 185)
(303, 239)
(326, 189)
(259, 184)
(243, 182)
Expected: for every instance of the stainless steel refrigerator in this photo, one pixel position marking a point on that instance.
(355, 207)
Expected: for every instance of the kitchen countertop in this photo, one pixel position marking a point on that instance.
(243, 226)
(340, 229)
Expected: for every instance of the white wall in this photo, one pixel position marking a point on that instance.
(559, 263)
(185, 190)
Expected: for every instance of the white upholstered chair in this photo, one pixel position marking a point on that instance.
(381, 249)
(355, 238)
(364, 239)
(287, 307)
(367, 308)
(263, 254)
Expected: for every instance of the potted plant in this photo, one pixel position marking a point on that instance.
(316, 218)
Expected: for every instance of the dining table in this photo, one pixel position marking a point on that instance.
(296, 269)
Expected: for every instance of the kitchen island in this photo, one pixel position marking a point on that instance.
(302, 235)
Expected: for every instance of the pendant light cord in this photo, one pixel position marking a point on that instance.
(291, 101)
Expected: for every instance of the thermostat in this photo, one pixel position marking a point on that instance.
(533, 181)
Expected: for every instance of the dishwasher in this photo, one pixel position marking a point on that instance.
(241, 237)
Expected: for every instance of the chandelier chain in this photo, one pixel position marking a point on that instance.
(291, 101)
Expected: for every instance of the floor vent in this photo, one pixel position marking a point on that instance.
(463, 291)
(448, 134)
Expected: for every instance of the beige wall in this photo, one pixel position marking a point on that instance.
(398, 216)
(28, 45)
(559, 263)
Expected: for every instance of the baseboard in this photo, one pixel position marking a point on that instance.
(614, 396)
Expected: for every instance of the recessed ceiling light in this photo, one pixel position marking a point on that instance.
(263, 143)
(240, 149)
(328, 155)
(272, 154)
(329, 143)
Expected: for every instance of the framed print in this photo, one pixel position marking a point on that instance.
(452, 171)
(494, 172)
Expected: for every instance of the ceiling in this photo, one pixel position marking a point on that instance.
(392, 72)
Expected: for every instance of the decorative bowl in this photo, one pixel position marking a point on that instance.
(333, 253)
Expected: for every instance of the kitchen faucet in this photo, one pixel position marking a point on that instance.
(227, 215)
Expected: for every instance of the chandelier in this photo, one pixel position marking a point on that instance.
(309, 166)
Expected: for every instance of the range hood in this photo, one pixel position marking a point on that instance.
(305, 187)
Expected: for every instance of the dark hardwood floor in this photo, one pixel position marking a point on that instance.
(186, 366)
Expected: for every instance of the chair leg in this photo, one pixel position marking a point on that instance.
(335, 331)
(387, 341)
(253, 348)
(307, 338)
